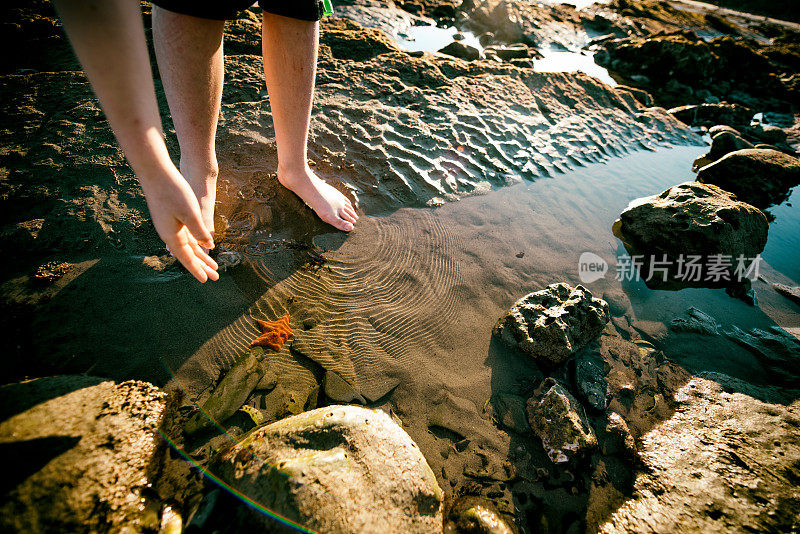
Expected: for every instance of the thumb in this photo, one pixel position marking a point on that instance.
(198, 229)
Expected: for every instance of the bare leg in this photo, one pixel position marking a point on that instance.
(290, 60)
(190, 60)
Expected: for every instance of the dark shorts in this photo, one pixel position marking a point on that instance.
(224, 10)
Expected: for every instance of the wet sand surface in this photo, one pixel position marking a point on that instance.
(403, 307)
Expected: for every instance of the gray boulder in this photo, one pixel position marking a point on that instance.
(553, 323)
(339, 469)
(761, 177)
(558, 419)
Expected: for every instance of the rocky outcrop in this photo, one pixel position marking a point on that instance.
(693, 220)
(679, 66)
(557, 418)
(339, 469)
(80, 455)
(724, 462)
(761, 177)
(553, 323)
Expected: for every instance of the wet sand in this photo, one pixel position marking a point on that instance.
(403, 307)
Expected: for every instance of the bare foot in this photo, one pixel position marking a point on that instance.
(327, 202)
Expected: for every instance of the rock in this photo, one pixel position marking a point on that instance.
(551, 324)
(766, 133)
(642, 96)
(229, 395)
(776, 349)
(726, 142)
(715, 114)
(556, 417)
(268, 381)
(339, 390)
(514, 51)
(757, 176)
(81, 454)
(680, 66)
(476, 515)
(338, 469)
(790, 292)
(719, 128)
(461, 50)
(617, 438)
(509, 412)
(698, 322)
(693, 221)
(723, 462)
(589, 379)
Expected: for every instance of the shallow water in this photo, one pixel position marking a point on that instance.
(403, 307)
(559, 60)
(429, 38)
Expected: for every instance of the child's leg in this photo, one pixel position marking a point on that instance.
(290, 60)
(189, 54)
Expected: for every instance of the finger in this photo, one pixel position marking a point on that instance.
(198, 229)
(187, 258)
(203, 255)
(211, 273)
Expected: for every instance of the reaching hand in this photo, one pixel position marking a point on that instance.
(176, 216)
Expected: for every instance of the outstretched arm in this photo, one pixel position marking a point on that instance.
(108, 37)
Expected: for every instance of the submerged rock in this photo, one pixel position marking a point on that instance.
(80, 455)
(553, 323)
(776, 349)
(590, 381)
(509, 412)
(790, 292)
(339, 469)
(695, 222)
(477, 515)
(229, 395)
(697, 322)
(556, 417)
(761, 177)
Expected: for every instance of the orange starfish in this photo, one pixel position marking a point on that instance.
(273, 333)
